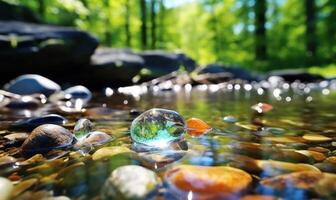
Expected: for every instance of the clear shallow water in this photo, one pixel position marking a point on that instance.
(296, 113)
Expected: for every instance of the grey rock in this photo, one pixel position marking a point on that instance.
(31, 84)
(29, 124)
(130, 182)
(45, 138)
(291, 75)
(79, 92)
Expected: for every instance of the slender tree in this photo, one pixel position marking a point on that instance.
(42, 8)
(108, 34)
(153, 23)
(143, 11)
(260, 8)
(162, 14)
(127, 23)
(311, 44)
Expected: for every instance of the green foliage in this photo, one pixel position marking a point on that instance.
(207, 30)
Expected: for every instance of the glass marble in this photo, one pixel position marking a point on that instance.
(158, 127)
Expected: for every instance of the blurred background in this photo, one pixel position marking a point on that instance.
(258, 35)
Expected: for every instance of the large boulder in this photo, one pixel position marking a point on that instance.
(291, 75)
(16, 12)
(114, 66)
(160, 63)
(47, 50)
(216, 73)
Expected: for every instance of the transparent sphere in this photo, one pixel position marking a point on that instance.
(157, 127)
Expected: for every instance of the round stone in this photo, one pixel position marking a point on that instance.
(130, 182)
(230, 119)
(157, 127)
(31, 84)
(197, 127)
(6, 188)
(82, 128)
(45, 138)
(207, 182)
(78, 92)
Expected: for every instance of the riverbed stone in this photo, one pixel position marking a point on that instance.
(31, 84)
(29, 124)
(6, 188)
(78, 92)
(207, 182)
(94, 138)
(106, 152)
(320, 183)
(45, 138)
(131, 182)
(197, 127)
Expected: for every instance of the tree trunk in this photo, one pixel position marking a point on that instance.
(42, 8)
(153, 22)
(127, 24)
(331, 22)
(311, 44)
(260, 30)
(143, 12)
(108, 34)
(161, 23)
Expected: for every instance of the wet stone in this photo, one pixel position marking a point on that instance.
(6, 188)
(31, 84)
(197, 127)
(230, 119)
(106, 152)
(32, 123)
(78, 92)
(24, 102)
(94, 138)
(160, 159)
(45, 138)
(316, 138)
(326, 167)
(207, 182)
(157, 127)
(23, 186)
(319, 183)
(7, 160)
(82, 128)
(131, 182)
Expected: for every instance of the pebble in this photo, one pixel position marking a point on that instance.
(6, 188)
(78, 92)
(230, 119)
(262, 107)
(45, 138)
(207, 182)
(82, 128)
(326, 167)
(272, 168)
(131, 182)
(106, 152)
(316, 138)
(94, 138)
(7, 160)
(317, 156)
(37, 121)
(24, 102)
(32, 84)
(197, 127)
(157, 127)
(323, 184)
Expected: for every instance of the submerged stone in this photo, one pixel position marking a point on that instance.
(230, 119)
(82, 128)
(31, 84)
(207, 182)
(6, 187)
(131, 182)
(262, 107)
(197, 127)
(37, 121)
(78, 92)
(157, 127)
(45, 138)
(94, 138)
(106, 152)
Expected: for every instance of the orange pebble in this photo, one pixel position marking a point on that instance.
(262, 107)
(197, 127)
